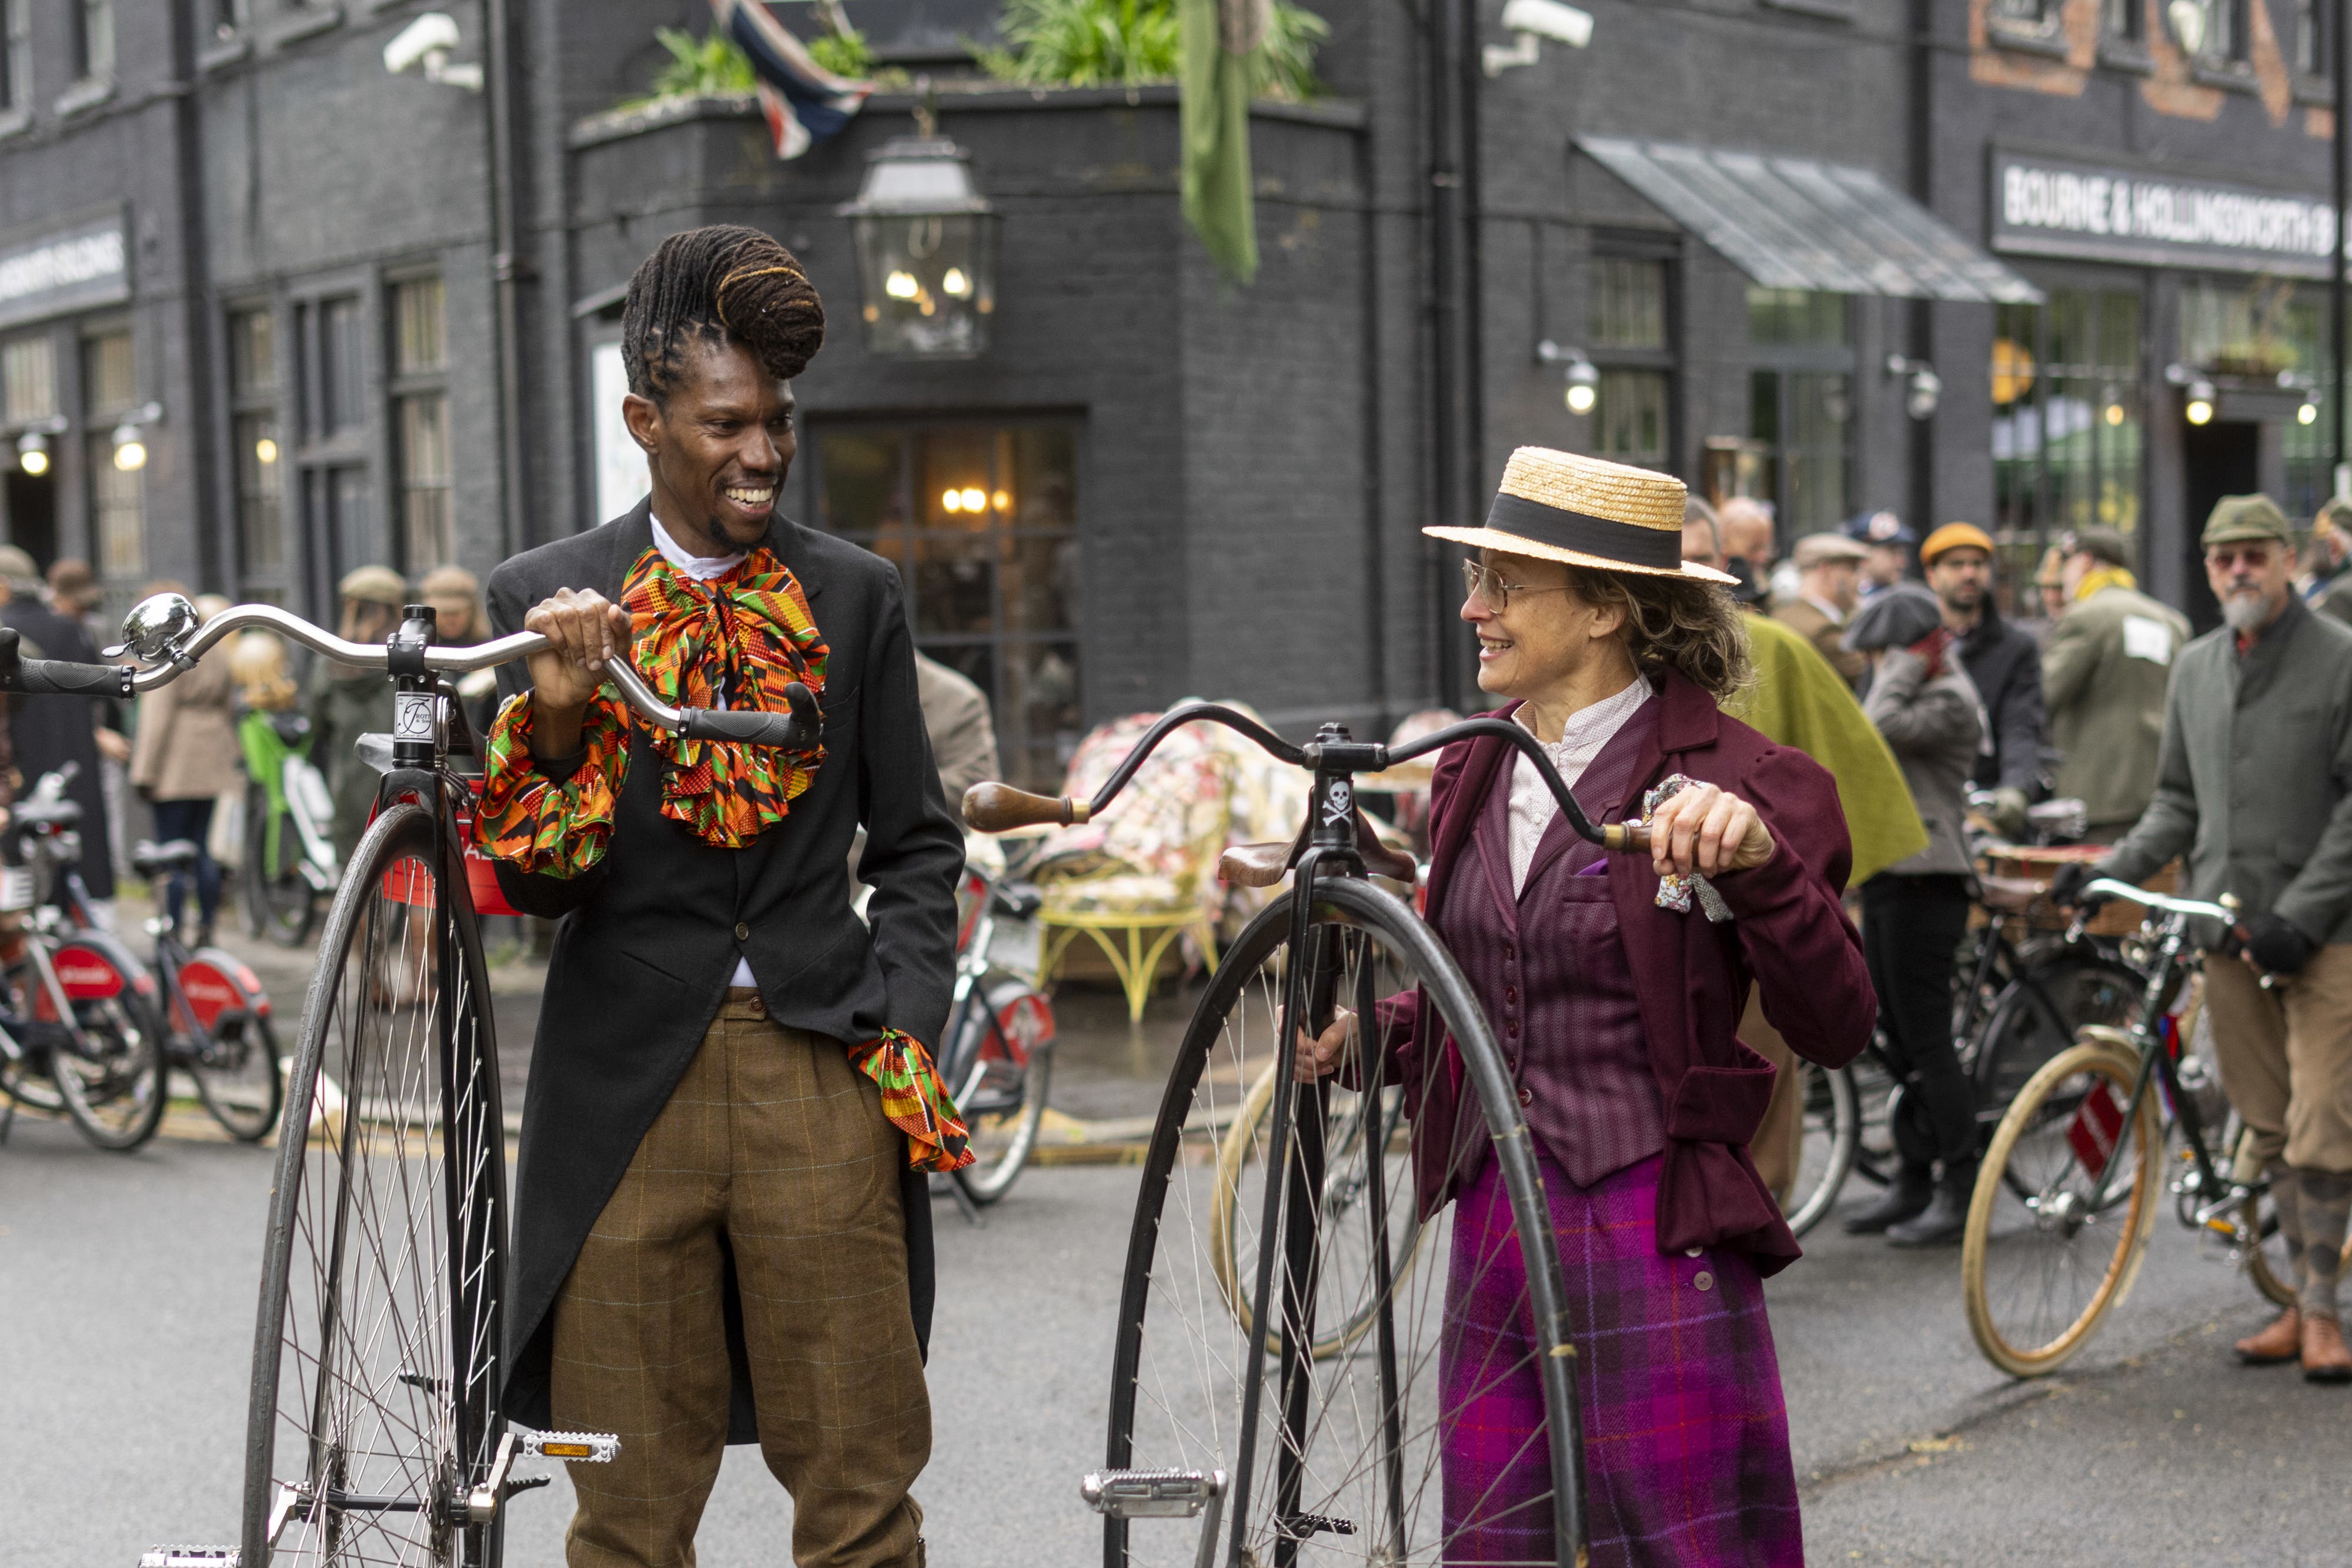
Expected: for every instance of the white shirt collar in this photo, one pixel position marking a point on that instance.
(1837, 616)
(701, 569)
(1592, 727)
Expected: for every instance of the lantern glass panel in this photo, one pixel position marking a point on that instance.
(929, 282)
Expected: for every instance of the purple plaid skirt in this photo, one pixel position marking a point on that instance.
(1686, 1433)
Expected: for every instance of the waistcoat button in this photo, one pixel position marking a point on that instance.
(742, 932)
(1526, 1096)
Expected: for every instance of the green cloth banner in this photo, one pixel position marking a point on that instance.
(1219, 36)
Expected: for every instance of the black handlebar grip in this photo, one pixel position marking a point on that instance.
(56, 678)
(795, 731)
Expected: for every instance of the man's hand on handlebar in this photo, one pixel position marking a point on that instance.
(1701, 828)
(1319, 1057)
(584, 629)
(2273, 943)
(2067, 887)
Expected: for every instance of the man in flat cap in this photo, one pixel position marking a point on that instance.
(2327, 582)
(1886, 546)
(2103, 676)
(1829, 585)
(2254, 784)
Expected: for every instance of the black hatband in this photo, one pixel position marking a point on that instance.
(1563, 530)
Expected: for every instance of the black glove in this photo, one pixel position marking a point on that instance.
(2275, 944)
(2066, 887)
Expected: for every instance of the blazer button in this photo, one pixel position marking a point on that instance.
(742, 932)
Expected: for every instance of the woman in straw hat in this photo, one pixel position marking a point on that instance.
(1614, 985)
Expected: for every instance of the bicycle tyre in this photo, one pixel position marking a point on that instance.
(2087, 986)
(246, 1092)
(278, 902)
(2046, 1106)
(114, 1075)
(1831, 1138)
(1232, 1264)
(1331, 1459)
(1004, 1145)
(378, 1343)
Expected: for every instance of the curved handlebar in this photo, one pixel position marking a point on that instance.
(2108, 887)
(798, 730)
(993, 808)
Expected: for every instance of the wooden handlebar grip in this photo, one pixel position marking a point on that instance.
(991, 808)
(1631, 837)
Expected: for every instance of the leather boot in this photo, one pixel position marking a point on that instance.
(2280, 1340)
(1947, 1214)
(2325, 1357)
(1905, 1196)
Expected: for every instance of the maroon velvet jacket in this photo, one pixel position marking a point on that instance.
(1788, 934)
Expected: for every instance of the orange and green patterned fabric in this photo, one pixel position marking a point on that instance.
(744, 636)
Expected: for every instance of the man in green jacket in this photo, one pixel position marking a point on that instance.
(2254, 784)
(2102, 676)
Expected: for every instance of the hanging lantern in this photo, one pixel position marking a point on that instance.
(927, 243)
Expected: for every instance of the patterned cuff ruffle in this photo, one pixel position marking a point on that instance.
(915, 1100)
(532, 821)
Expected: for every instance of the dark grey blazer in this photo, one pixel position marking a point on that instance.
(650, 936)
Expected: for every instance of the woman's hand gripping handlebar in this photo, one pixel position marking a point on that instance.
(161, 631)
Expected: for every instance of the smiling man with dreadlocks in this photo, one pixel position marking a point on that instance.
(722, 1230)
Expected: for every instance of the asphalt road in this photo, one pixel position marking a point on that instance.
(127, 1286)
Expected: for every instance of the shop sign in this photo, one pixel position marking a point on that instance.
(66, 269)
(2051, 207)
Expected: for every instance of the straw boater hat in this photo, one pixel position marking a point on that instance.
(1558, 505)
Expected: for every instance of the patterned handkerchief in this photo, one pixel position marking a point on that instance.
(1675, 892)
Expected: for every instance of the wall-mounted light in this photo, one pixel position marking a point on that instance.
(2200, 407)
(1531, 22)
(1583, 380)
(2308, 413)
(33, 442)
(1922, 391)
(130, 443)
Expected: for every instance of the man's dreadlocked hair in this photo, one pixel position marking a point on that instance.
(716, 283)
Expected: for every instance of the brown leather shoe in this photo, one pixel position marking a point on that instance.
(2325, 1357)
(2282, 1341)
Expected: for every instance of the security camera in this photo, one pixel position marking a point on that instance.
(1532, 21)
(1549, 19)
(425, 43)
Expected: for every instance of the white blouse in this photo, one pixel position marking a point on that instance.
(1580, 740)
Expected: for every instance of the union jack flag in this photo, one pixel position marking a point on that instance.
(803, 102)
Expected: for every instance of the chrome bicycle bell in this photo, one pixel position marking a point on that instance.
(157, 629)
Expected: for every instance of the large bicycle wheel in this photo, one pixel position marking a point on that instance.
(276, 900)
(1339, 1461)
(109, 1066)
(2038, 1272)
(377, 1352)
(1002, 1093)
(1833, 1137)
(1356, 1125)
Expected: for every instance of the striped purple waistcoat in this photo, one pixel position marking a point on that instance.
(1551, 973)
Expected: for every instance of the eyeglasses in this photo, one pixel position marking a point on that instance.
(1489, 586)
(2226, 557)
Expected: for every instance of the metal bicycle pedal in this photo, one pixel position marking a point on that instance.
(191, 1557)
(579, 1447)
(1161, 1494)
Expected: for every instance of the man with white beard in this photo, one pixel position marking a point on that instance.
(2254, 784)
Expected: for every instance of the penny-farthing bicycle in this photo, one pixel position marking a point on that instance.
(374, 1429)
(1320, 1440)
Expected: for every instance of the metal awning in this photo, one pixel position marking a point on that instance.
(1799, 223)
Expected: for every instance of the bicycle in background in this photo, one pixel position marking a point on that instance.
(289, 851)
(217, 1016)
(2069, 1190)
(78, 1031)
(998, 1064)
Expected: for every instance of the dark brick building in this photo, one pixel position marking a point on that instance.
(351, 315)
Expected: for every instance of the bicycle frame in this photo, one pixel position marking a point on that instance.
(2165, 978)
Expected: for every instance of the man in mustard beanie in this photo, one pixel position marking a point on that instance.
(2003, 661)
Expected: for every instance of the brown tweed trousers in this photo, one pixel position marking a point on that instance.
(775, 1148)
